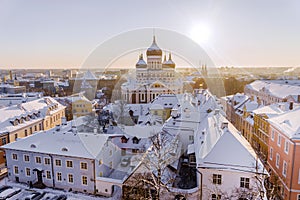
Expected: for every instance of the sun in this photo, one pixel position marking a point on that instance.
(200, 33)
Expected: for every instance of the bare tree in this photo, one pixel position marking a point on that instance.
(273, 188)
(154, 175)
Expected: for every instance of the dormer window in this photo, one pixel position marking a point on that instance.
(32, 146)
(135, 140)
(64, 149)
(38, 114)
(224, 125)
(124, 139)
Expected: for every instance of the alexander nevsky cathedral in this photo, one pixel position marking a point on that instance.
(154, 77)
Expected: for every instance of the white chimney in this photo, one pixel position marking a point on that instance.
(174, 113)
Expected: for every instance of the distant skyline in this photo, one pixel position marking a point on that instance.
(62, 34)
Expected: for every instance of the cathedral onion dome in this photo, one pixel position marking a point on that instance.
(165, 59)
(141, 63)
(154, 50)
(169, 63)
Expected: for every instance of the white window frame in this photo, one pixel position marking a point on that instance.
(14, 155)
(57, 176)
(245, 182)
(72, 178)
(26, 155)
(48, 177)
(82, 180)
(279, 140)
(16, 167)
(272, 135)
(298, 196)
(286, 146)
(26, 168)
(59, 162)
(271, 153)
(84, 163)
(36, 157)
(69, 161)
(217, 177)
(277, 160)
(46, 162)
(284, 168)
(217, 197)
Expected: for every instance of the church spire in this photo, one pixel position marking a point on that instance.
(154, 36)
(170, 57)
(141, 56)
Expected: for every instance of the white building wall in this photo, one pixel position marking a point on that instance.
(63, 169)
(108, 160)
(230, 184)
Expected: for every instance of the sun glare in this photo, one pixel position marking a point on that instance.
(200, 33)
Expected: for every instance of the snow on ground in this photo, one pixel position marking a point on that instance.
(51, 192)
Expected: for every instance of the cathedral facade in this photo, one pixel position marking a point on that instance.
(154, 77)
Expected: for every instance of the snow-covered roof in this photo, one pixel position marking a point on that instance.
(142, 131)
(275, 109)
(166, 100)
(36, 110)
(89, 75)
(280, 90)
(155, 106)
(239, 99)
(251, 105)
(224, 147)
(85, 85)
(288, 123)
(129, 144)
(64, 142)
(78, 97)
(14, 99)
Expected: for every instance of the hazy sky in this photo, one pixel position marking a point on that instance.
(58, 33)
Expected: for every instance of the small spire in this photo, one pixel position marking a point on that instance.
(141, 56)
(170, 57)
(165, 58)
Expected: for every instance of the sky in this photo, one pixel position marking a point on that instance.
(63, 33)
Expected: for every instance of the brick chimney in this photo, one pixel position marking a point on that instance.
(291, 105)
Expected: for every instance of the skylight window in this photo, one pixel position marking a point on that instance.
(64, 149)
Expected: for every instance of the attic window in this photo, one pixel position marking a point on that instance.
(32, 146)
(224, 125)
(135, 140)
(64, 149)
(124, 139)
